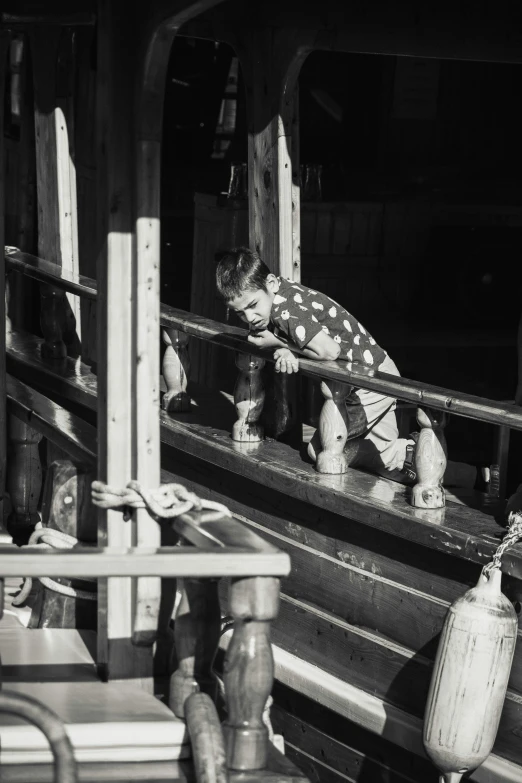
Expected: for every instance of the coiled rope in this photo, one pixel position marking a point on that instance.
(166, 502)
(47, 538)
(513, 535)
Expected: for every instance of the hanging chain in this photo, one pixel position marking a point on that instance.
(513, 535)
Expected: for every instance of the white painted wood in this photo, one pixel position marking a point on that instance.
(105, 722)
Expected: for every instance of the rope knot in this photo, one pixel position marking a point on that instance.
(166, 502)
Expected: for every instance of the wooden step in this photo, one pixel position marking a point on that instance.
(106, 722)
(47, 655)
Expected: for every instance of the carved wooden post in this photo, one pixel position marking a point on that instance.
(430, 460)
(249, 670)
(196, 634)
(66, 506)
(282, 409)
(249, 396)
(51, 322)
(333, 428)
(24, 476)
(176, 367)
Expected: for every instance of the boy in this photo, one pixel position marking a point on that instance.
(281, 313)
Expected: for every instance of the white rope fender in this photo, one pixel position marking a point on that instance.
(166, 502)
(47, 538)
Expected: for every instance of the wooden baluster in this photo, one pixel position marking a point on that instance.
(176, 369)
(430, 460)
(249, 670)
(282, 409)
(66, 507)
(196, 634)
(24, 477)
(333, 428)
(249, 397)
(51, 322)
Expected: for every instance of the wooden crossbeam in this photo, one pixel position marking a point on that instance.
(128, 562)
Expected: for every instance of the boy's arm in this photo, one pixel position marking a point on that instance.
(321, 347)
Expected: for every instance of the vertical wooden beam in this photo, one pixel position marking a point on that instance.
(147, 124)
(271, 61)
(55, 171)
(4, 46)
(118, 658)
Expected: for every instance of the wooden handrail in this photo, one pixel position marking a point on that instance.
(182, 562)
(234, 338)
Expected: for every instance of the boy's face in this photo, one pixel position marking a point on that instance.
(255, 305)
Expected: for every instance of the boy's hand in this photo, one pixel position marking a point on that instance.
(286, 361)
(264, 339)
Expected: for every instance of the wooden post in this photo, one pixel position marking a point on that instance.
(249, 671)
(4, 48)
(176, 371)
(24, 477)
(430, 460)
(249, 396)
(118, 658)
(271, 61)
(333, 428)
(53, 71)
(196, 633)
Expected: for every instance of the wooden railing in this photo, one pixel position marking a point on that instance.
(208, 550)
(337, 379)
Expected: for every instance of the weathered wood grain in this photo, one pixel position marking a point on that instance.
(341, 745)
(126, 562)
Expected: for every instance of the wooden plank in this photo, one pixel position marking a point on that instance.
(55, 171)
(356, 755)
(271, 63)
(58, 425)
(115, 772)
(50, 272)
(70, 378)
(117, 657)
(105, 722)
(4, 47)
(292, 520)
(127, 562)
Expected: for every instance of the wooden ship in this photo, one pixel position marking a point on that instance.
(346, 643)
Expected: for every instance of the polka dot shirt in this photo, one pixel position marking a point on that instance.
(299, 313)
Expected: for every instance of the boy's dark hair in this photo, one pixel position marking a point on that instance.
(240, 269)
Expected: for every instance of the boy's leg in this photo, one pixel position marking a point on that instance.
(382, 451)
